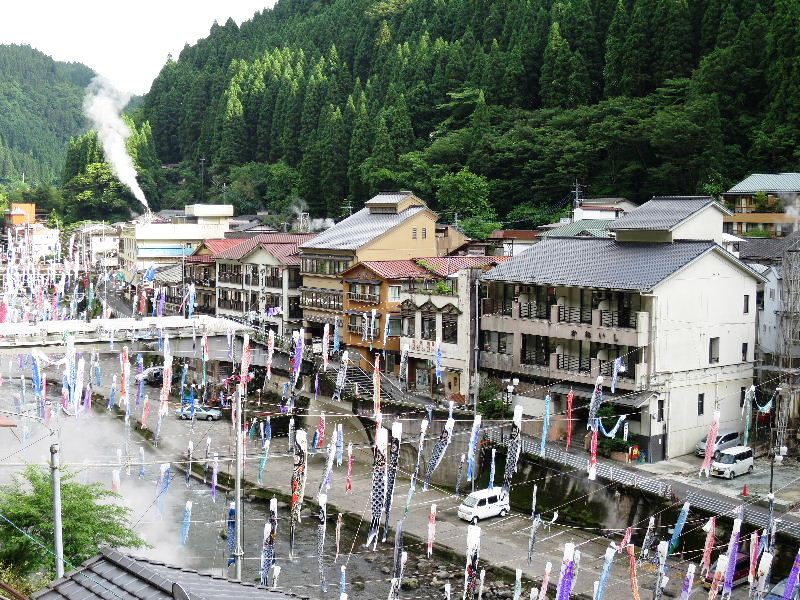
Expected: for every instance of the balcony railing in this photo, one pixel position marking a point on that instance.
(533, 310)
(208, 283)
(615, 318)
(574, 314)
(333, 302)
(366, 298)
(494, 306)
(231, 304)
(230, 278)
(355, 328)
(541, 359)
(273, 282)
(568, 362)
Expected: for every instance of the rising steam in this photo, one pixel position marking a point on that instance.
(103, 106)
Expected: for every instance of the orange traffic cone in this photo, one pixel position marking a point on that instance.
(745, 493)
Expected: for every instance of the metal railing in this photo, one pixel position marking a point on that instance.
(230, 304)
(568, 362)
(494, 306)
(225, 277)
(331, 302)
(607, 369)
(534, 310)
(534, 357)
(367, 298)
(574, 314)
(615, 318)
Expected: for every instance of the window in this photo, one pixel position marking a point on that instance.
(450, 328)
(744, 351)
(394, 326)
(660, 411)
(414, 233)
(713, 350)
(394, 293)
(746, 303)
(504, 343)
(701, 404)
(742, 392)
(772, 294)
(424, 233)
(428, 326)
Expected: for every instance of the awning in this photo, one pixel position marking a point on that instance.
(358, 280)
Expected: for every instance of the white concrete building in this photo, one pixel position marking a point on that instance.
(156, 241)
(664, 297)
(98, 244)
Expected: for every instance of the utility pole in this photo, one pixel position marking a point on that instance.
(58, 540)
(239, 552)
(202, 177)
(476, 347)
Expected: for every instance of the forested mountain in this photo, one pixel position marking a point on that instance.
(484, 104)
(41, 104)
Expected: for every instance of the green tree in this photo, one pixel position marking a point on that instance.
(555, 87)
(360, 146)
(465, 196)
(97, 192)
(615, 51)
(378, 171)
(91, 518)
(333, 171)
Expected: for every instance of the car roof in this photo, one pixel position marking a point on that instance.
(735, 449)
(485, 493)
(726, 432)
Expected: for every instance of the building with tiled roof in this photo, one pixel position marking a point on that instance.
(662, 311)
(780, 190)
(112, 574)
(199, 268)
(581, 228)
(391, 226)
(258, 280)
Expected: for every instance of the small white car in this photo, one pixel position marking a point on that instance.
(733, 461)
(484, 504)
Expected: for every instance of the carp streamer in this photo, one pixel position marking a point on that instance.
(378, 495)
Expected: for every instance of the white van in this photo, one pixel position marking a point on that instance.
(484, 504)
(733, 461)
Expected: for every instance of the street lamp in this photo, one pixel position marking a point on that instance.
(510, 390)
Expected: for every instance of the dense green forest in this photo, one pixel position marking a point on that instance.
(40, 109)
(512, 98)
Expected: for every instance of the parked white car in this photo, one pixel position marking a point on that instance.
(733, 461)
(484, 504)
(725, 439)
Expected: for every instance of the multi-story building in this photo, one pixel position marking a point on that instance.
(258, 280)
(663, 296)
(98, 245)
(153, 240)
(391, 226)
(440, 307)
(781, 191)
(201, 270)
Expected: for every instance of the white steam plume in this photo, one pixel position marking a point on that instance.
(103, 106)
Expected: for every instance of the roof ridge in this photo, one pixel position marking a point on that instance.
(124, 562)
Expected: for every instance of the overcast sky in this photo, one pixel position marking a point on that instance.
(127, 42)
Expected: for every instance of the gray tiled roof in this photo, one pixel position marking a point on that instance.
(663, 213)
(114, 576)
(767, 182)
(388, 198)
(593, 227)
(358, 229)
(599, 263)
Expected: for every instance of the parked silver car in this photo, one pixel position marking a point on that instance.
(725, 439)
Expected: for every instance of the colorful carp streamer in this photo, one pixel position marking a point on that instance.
(391, 473)
(325, 346)
(648, 540)
(604, 574)
(338, 535)
(676, 532)
(617, 368)
(348, 482)
(513, 449)
(339, 444)
(247, 354)
(733, 550)
(402, 376)
(231, 533)
(592, 467)
(141, 462)
(688, 581)
(189, 455)
(378, 494)
(517, 585)
(747, 412)
(472, 451)
(397, 580)
(214, 475)
(270, 352)
(268, 545)
(492, 470)
(298, 484)
(163, 486)
(412, 488)
(545, 580)
(719, 576)
(471, 573)
(125, 368)
(762, 574)
(262, 461)
(376, 386)
(632, 573)
(545, 426)
(564, 588)
(341, 377)
(754, 551)
(187, 519)
(438, 451)
(570, 399)
(322, 499)
(460, 474)
(710, 441)
(536, 521)
(139, 378)
(298, 356)
(661, 575)
(115, 481)
(398, 547)
(431, 529)
(596, 401)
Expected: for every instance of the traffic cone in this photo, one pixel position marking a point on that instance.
(745, 493)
